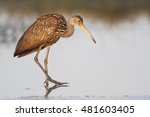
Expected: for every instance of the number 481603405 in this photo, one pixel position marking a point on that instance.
(107, 109)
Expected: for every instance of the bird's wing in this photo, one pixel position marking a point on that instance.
(44, 31)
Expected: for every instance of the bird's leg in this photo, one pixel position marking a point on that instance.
(38, 63)
(46, 68)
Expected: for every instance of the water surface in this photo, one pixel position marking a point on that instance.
(117, 65)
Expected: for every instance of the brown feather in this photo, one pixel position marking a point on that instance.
(46, 30)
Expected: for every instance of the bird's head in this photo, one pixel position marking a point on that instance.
(78, 21)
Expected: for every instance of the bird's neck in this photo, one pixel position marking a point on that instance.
(70, 30)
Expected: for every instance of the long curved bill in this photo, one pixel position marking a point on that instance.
(87, 31)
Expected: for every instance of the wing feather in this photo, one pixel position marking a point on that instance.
(44, 31)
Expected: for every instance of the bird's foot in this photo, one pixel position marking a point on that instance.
(56, 82)
(63, 84)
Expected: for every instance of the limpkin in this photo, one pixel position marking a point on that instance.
(43, 33)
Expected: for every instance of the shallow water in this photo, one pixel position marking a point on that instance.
(117, 65)
(125, 97)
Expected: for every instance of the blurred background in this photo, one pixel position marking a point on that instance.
(117, 66)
